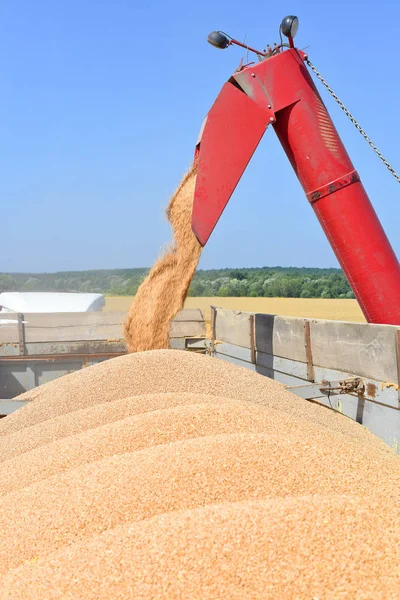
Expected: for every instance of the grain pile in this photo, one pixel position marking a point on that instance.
(158, 372)
(167, 474)
(162, 295)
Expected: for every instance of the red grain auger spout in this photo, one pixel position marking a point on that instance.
(279, 91)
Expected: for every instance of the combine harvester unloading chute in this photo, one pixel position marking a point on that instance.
(279, 91)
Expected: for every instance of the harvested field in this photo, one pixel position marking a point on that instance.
(166, 474)
(312, 308)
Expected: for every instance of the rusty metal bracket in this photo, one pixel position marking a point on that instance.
(307, 340)
(21, 334)
(310, 391)
(346, 386)
(333, 186)
(213, 329)
(252, 339)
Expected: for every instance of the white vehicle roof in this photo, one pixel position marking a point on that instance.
(52, 302)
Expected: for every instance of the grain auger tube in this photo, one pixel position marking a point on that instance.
(278, 90)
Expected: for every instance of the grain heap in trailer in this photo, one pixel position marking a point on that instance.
(170, 474)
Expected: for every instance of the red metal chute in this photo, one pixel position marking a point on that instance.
(232, 132)
(279, 89)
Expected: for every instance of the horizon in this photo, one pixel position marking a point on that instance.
(149, 267)
(246, 282)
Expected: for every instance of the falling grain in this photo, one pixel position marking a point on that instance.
(163, 293)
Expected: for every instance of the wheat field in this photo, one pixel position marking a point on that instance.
(312, 308)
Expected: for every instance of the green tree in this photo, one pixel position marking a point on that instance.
(305, 293)
(223, 291)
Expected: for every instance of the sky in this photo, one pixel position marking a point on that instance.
(101, 102)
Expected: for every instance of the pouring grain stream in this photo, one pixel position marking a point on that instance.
(162, 295)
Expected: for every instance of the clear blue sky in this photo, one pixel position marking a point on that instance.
(100, 106)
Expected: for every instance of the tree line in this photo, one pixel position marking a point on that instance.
(269, 282)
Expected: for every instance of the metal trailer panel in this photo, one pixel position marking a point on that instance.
(9, 406)
(56, 348)
(359, 348)
(354, 351)
(381, 414)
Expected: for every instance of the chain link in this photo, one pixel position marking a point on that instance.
(353, 120)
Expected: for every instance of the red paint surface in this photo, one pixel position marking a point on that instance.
(281, 85)
(347, 217)
(234, 127)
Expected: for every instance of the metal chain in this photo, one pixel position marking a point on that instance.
(353, 120)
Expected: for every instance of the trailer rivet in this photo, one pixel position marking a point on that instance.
(269, 106)
(272, 119)
(253, 74)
